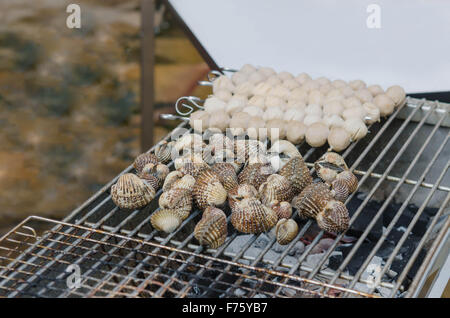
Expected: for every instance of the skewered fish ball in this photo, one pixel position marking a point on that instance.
(364, 95)
(285, 76)
(248, 69)
(272, 113)
(256, 77)
(290, 84)
(375, 90)
(338, 83)
(274, 80)
(239, 123)
(396, 93)
(245, 89)
(333, 108)
(303, 78)
(311, 85)
(236, 104)
(333, 121)
(347, 91)
(295, 132)
(239, 78)
(317, 134)
(262, 89)
(385, 104)
(357, 84)
(222, 83)
(351, 102)
(297, 114)
(356, 128)
(219, 119)
(312, 119)
(257, 128)
(276, 129)
(315, 97)
(253, 111)
(213, 103)
(299, 94)
(355, 112)
(267, 71)
(313, 109)
(373, 113)
(257, 100)
(338, 138)
(280, 91)
(223, 95)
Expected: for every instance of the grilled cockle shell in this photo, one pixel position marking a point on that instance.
(227, 174)
(159, 171)
(316, 201)
(192, 168)
(249, 215)
(345, 184)
(144, 159)
(176, 180)
(282, 209)
(276, 187)
(255, 174)
(130, 192)
(246, 148)
(329, 165)
(297, 173)
(208, 190)
(212, 228)
(192, 143)
(179, 200)
(285, 231)
(240, 192)
(166, 220)
(163, 151)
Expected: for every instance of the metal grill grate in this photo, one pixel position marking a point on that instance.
(119, 254)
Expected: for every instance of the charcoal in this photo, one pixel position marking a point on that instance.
(365, 217)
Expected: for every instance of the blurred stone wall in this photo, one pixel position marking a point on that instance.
(69, 99)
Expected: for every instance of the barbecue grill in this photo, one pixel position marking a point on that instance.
(389, 250)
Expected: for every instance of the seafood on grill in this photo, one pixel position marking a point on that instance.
(163, 151)
(177, 180)
(208, 190)
(131, 192)
(316, 201)
(276, 187)
(283, 209)
(240, 192)
(329, 166)
(255, 174)
(227, 174)
(345, 184)
(249, 215)
(177, 199)
(143, 159)
(166, 220)
(297, 173)
(157, 171)
(285, 231)
(211, 230)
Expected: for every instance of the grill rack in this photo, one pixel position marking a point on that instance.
(24, 272)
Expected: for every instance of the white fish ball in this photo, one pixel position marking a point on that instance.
(239, 78)
(375, 90)
(199, 120)
(303, 78)
(356, 128)
(257, 100)
(357, 84)
(272, 101)
(338, 138)
(323, 81)
(310, 85)
(333, 121)
(294, 114)
(333, 108)
(223, 95)
(284, 76)
(358, 112)
(219, 119)
(338, 83)
(351, 102)
(298, 93)
(315, 97)
(236, 103)
(325, 89)
(313, 109)
(267, 71)
(262, 88)
(373, 113)
(213, 103)
(347, 91)
(273, 80)
(280, 91)
(256, 77)
(254, 111)
(295, 132)
(245, 89)
(385, 104)
(290, 84)
(257, 128)
(396, 93)
(294, 103)
(247, 69)
(276, 129)
(239, 123)
(273, 113)
(364, 95)
(311, 119)
(316, 134)
(222, 83)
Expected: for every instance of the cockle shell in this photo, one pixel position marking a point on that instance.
(220, 142)
(159, 171)
(130, 192)
(245, 148)
(284, 147)
(255, 174)
(194, 169)
(227, 174)
(166, 220)
(143, 159)
(316, 201)
(176, 180)
(276, 187)
(212, 228)
(177, 199)
(249, 215)
(163, 151)
(282, 209)
(297, 173)
(329, 165)
(345, 184)
(240, 192)
(208, 190)
(285, 231)
(192, 143)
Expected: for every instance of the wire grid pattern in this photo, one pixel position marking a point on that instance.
(371, 159)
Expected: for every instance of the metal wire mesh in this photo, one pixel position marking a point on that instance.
(120, 254)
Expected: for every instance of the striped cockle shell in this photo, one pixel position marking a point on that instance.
(282, 209)
(221, 142)
(345, 184)
(177, 180)
(211, 230)
(249, 215)
(166, 220)
(297, 173)
(193, 169)
(329, 165)
(285, 231)
(159, 171)
(163, 151)
(208, 190)
(143, 159)
(316, 201)
(189, 143)
(240, 192)
(255, 174)
(179, 200)
(150, 179)
(130, 192)
(227, 174)
(245, 148)
(276, 187)
(188, 157)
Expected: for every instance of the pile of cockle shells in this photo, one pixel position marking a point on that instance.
(259, 186)
(318, 110)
